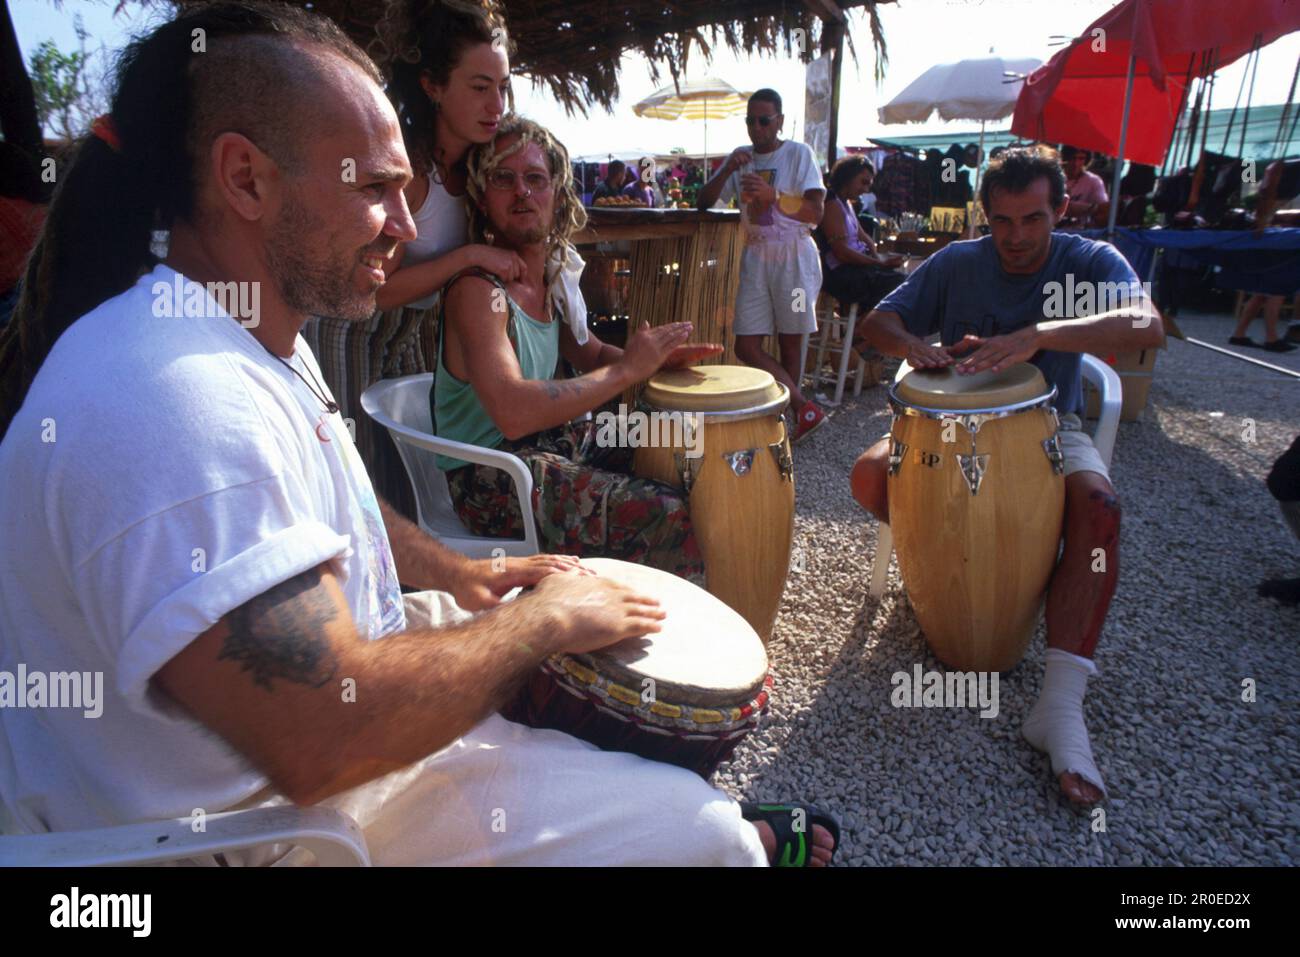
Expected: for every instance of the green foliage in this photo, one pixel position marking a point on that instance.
(56, 77)
(68, 96)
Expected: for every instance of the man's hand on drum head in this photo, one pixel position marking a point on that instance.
(593, 612)
(996, 352)
(485, 581)
(689, 354)
(649, 348)
(922, 355)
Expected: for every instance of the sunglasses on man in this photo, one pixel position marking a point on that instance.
(763, 121)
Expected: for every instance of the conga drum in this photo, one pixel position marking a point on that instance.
(738, 477)
(685, 695)
(976, 500)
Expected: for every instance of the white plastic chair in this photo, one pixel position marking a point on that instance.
(1097, 374)
(329, 834)
(402, 407)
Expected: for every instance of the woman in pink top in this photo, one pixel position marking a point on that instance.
(854, 271)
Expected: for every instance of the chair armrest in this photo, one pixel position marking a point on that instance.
(1110, 389)
(330, 834)
(372, 402)
(512, 465)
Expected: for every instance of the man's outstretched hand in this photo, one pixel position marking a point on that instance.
(996, 352)
(690, 353)
(483, 582)
(648, 349)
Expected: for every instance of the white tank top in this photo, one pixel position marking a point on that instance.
(441, 225)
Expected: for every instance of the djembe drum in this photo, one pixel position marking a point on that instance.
(740, 485)
(685, 695)
(976, 501)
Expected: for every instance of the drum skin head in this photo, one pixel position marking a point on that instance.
(946, 389)
(711, 388)
(704, 650)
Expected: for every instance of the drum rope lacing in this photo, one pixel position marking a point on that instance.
(604, 693)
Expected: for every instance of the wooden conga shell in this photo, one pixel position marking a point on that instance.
(976, 566)
(744, 523)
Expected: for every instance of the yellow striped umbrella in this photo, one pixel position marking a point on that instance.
(706, 99)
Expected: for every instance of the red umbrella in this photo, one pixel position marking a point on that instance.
(1137, 59)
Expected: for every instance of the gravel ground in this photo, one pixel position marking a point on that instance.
(1196, 776)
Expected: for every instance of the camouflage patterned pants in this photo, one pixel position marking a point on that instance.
(585, 502)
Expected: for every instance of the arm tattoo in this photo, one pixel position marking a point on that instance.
(281, 633)
(555, 388)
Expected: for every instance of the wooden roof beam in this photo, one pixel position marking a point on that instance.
(826, 9)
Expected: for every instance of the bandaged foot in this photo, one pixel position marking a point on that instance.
(1055, 725)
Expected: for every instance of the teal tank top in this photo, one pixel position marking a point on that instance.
(457, 412)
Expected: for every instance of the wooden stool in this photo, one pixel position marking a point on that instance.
(835, 338)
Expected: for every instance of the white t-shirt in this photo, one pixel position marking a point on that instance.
(442, 225)
(160, 473)
(792, 169)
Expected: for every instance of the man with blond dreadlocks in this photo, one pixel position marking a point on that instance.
(497, 386)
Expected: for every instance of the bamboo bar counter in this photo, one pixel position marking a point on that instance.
(684, 264)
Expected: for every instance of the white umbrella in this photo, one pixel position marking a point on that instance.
(706, 99)
(627, 156)
(980, 89)
(631, 157)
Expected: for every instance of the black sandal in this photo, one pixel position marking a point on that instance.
(793, 848)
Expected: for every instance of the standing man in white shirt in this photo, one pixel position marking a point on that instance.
(781, 196)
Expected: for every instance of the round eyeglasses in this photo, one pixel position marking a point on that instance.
(503, 179)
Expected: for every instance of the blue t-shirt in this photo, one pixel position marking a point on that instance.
(963, 289)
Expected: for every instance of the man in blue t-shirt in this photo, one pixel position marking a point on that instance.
(1027, 294)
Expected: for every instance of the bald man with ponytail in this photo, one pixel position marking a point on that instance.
(186, 517)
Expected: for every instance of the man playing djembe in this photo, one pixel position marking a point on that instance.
(991, 300)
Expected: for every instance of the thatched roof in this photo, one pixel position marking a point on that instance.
(573, 47)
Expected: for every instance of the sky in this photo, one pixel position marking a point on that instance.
(918, 34)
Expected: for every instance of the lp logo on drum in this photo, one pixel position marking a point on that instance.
(930, 460)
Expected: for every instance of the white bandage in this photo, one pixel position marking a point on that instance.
(1055, 724)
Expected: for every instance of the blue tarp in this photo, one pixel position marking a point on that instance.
(1267, 261)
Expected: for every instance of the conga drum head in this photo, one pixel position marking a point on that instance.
(950, 391)
(705, 653)
(715, 388)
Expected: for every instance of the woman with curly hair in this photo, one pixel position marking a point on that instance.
(449, 76)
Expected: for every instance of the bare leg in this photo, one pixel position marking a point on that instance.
(749, 350)
(1084, 582)
(1248, 314)
(1272, 312)
(1079, 596)
(790, 347)
(868, 480)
